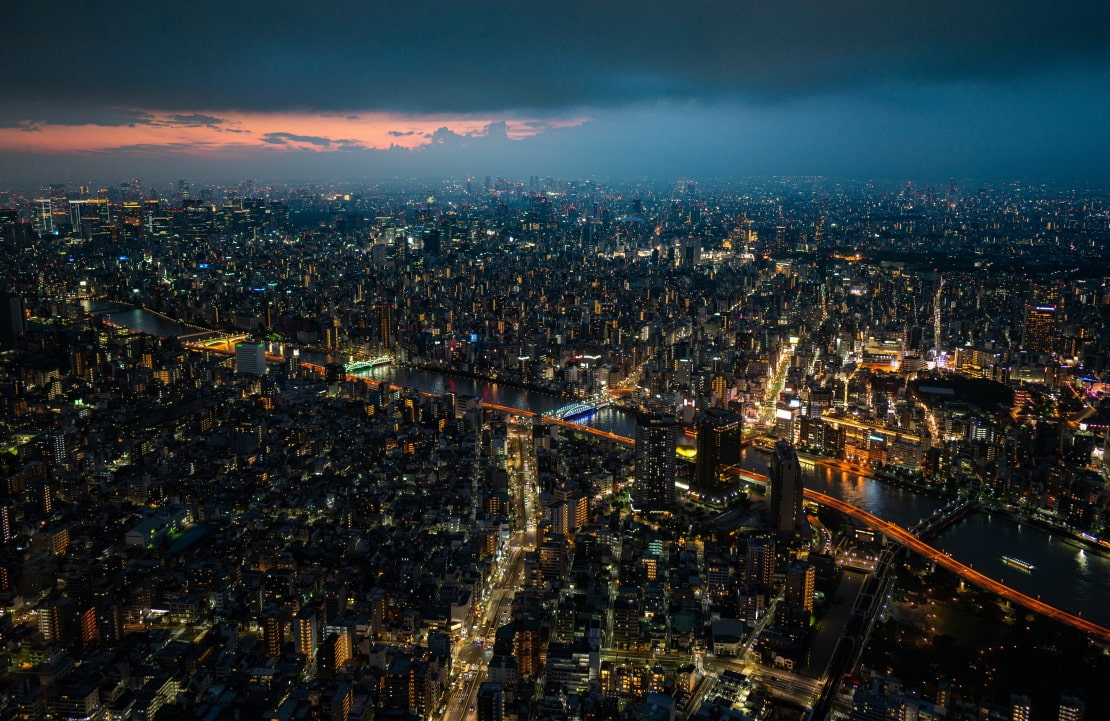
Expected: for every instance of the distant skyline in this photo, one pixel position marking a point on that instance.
(364, 91)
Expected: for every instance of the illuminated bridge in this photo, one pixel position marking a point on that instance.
(560, 422)
(576, 410)
(891, 530)
(356, 366)
(912, 542)
(225, 345)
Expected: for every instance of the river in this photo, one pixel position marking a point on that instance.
(1065, 575)
(137, 319)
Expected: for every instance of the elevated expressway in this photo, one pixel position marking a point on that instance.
(912, 542)
(890, 530)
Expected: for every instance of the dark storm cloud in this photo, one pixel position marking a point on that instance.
(19, 114)
(32, 116)
(194, 120)
(316, 140)
(500, 55)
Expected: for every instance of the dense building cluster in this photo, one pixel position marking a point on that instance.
(261, 534)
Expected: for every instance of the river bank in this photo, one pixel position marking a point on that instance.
(881, 476)
(1066, 575)
(939, 492)
(1062, 533)
(429, 367)
(113, 305)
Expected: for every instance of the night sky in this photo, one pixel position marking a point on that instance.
(891, 89)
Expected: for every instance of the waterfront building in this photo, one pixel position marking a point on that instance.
(719, 437)
(656, 440)
(785, 490)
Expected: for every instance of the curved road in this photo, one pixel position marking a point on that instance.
(891, 530)
(916, 545)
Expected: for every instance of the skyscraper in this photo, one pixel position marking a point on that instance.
(1039, 332)
(719, 436)
(784, 503)
(43, 218)
(656, 440)
(59, 205)
(433, 245)
(383, 319)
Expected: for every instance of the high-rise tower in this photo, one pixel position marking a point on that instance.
(719, 436)
(43, 218)
(784, 505)
(656, 440)
(800, 578)
(383, 319)
(1040, 329)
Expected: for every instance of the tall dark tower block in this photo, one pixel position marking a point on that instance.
(719, 435)
(784, 507)
(656, 441)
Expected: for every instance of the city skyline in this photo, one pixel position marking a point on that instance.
(555, 361)
(1010, 90)
(557, 434)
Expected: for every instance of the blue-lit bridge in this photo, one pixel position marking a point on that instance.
(578, 409)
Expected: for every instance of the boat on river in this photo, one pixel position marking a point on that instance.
(1018, 564)
(765, 444)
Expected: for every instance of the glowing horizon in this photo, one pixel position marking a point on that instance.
(208, 133)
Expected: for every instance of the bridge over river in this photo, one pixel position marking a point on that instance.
(891, 530)
(1067, 575)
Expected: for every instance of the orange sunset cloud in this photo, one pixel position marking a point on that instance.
(222, 132)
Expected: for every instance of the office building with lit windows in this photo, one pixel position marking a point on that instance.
(656, 441)
(250, 358)
(1040, 331)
